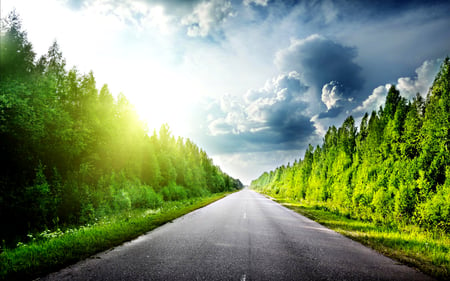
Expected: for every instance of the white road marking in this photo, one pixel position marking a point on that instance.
(245, 215)
(243, 277)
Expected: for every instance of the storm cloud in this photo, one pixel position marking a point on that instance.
(317, 81)
(320, 60)
(275, 116)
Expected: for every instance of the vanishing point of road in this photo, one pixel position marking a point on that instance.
(244, 236)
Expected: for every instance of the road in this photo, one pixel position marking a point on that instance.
(244, 236)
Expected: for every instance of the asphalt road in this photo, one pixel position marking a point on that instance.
(244, 236)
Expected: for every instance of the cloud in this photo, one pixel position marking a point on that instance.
(280, 109)
(375, 100)
(328, 69)
(206, 17)
(332, 94)
(276, 116)
(320, 60)
(229, 116)
(256, 2)
(407, 86)
(200, 18)
(293, 108)
(425, 75)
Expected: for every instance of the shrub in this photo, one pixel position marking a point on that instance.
(173, 192)
(121, 200)
(143, 196)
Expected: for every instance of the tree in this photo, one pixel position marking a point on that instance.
(16, 53)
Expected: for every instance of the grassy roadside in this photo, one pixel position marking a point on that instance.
(55, 250)
(425, 250)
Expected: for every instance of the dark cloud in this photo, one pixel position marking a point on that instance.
(261, 141)
(275, 117)
(344, 10)
(291, 109)
(331, 113)
(320, 60)
(328, 68)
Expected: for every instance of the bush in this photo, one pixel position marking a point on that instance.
(173, 192)
(143, 196)
(121, 200)
(197, 191)
(435, 211)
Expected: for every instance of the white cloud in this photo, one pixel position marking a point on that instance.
(137, 14)
(332, 94)
(425, 75)
(206, 17)
(320, 126)
(201, 17)
(234, 120)
(375, 100)
(407, 86)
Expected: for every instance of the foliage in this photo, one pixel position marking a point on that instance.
(71, 153)
(394, 171)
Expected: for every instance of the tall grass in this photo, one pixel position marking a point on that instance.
(53, 250)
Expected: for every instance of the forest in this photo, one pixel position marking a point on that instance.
(394, 169)
(70, 153)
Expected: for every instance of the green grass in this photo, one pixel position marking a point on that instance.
(51, 251)
(428, 251)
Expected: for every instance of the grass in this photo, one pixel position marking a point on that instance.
(428, 251)
(51, 251)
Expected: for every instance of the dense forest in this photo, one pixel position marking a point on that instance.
(70, 153)
(394, 169)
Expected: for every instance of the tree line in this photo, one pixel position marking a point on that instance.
(70, 153)
(393, 170)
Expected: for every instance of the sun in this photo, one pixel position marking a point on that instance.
(165, 99)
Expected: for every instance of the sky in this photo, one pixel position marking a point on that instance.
(251, 82)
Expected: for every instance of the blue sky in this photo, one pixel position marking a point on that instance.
(252, 82)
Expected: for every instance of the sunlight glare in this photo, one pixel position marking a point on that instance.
(162, 100)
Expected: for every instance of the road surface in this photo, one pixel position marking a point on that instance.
(242, 237)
